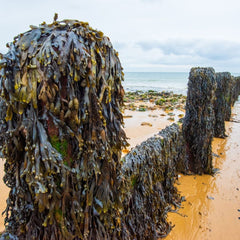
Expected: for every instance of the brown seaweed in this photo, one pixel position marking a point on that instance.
(151, 169)
(198, 124)
(61, 133)
(221, 104)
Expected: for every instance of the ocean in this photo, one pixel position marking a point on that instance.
(158, 81)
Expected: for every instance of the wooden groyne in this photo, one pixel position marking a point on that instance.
(61, 135)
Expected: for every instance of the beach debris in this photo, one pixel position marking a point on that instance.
(127, 116)
(142, 109)
(171, 119)
(125, 151)
(215, 155)
(210, 197)
(146, 124)
(198, 124)
(153, 115)
(61, 133)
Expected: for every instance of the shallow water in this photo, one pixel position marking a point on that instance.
(158, 81)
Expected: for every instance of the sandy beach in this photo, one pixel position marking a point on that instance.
(212, 206)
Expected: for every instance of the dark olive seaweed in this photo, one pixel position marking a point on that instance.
(222, 106)
(198, 124)
(151, 169)
(61, 133)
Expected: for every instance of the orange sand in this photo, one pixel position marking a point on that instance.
(3, 193)
(212, 202)
(210, 211)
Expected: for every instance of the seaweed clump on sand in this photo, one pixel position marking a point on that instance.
(199, 121)
(164, 100)
(151, 169)
(61, 133)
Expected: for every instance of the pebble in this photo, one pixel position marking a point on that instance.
(211, 198)
(127, 116)
(146, 124)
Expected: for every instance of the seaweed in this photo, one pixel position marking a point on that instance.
(221, 105)
(151, 169)
(199, 120)
(61, 133)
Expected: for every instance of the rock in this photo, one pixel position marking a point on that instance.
(146, 124)
(127, 116)
(211, 198)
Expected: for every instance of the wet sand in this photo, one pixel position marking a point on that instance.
(212, 202)
(138, 133)
(212, 207)
(3, 194)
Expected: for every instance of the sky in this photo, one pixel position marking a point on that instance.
(150, 35)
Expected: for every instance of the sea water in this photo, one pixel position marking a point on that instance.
(158, 81)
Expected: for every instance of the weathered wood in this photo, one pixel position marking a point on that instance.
(228, 97)
(221, 103)
(198, 124)
(61, 133)
(151, 169)
(235, 90)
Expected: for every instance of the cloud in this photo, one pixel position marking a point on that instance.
(216, 50)
(148, 34)
(180, 55)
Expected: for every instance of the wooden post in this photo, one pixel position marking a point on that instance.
(221, 105)
(61, 133)
(198, 125)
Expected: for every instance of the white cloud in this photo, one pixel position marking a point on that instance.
(183, 33)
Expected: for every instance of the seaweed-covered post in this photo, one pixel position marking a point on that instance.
(61, 133)
(235, 90)
(228, 97)
(220, 104)
(198, 125)
(151, 169)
